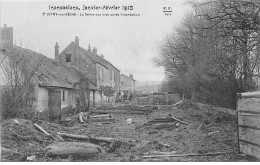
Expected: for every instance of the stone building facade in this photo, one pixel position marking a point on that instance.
(98, 70)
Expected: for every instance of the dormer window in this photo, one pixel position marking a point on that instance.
(68, 57)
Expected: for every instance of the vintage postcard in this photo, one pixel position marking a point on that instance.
(130, 80)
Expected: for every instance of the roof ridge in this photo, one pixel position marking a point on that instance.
(34, 52)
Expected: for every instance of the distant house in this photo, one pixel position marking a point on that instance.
(53, 85)
(95, 67)
(127, 83)
(6, 37)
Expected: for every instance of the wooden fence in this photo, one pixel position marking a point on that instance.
(248, 123)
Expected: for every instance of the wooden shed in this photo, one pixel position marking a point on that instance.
(248, 123)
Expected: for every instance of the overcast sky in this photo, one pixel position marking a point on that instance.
(128, 42)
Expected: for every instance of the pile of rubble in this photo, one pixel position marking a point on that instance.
(127, 109)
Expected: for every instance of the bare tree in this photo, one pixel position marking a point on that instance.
(239, 22)
(82, 95)
(19, 70)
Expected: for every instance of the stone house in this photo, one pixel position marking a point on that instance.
(127, 85)
(94, 66)
(6, 35)
(127, 82)
(53, 85)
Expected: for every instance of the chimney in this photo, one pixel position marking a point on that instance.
(94, 50)
(89, 48)
(131, 76)
(56, 51)
(5, 25)
(77, 40)
(102, 56)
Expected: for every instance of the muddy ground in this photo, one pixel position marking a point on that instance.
(218, 134)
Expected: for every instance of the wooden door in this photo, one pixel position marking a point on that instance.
(54, 104)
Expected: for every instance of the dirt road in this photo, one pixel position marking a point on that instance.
(217, 134)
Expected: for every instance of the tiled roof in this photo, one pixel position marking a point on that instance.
(52, 73)
(94, 57)
(111, 64)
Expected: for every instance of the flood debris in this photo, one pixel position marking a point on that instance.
(159, 153)
(128, 109)
(31, 158)
(169, 121)
(42, 130)
(81, 117)
(74, 150)
(185, 155)
(3, 149)
(112, 143)
(199, 126)
(211, 133)
(16, 122)
(121, 141)
(99, 118)
(71, 123)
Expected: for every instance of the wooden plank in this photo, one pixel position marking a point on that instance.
(45, 132)
(41, 129)
(179, 120)
(199, 126)
(74, 136)
(71, 123)
(249, 112)
(121, 111)
(100, 120)
(141, 108)
(127, 108)
(254, 94)
(249, 149)
(184, 155)
(251, 127)
(99, 116)
(249, 104)
(248, 134)
(248, 120)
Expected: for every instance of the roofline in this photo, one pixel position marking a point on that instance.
(15, 46)
(100, 63)
(50, 86)
(93, 58)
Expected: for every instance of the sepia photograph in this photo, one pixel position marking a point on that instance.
(130, 81)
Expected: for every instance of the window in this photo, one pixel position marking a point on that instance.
(63, 95)
(68, 57)
(102, 75)
(3, 35)
(111, 74)
(99, 74)
(114, 75)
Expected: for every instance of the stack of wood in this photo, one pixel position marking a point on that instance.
(70, 121)
(145, 99)
(99, 118)
(164, 122)
(128, 109)
(172, 98)
(159, 99)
